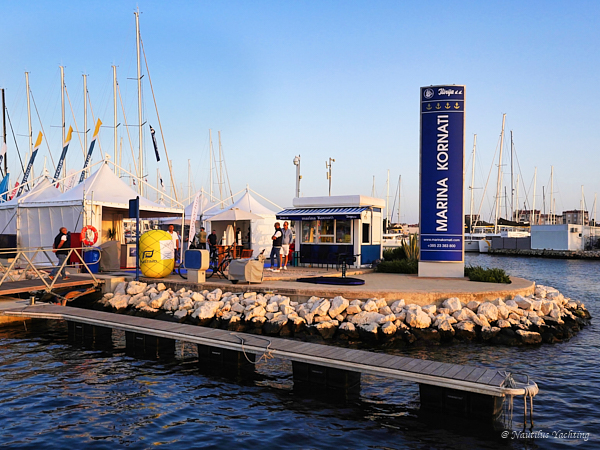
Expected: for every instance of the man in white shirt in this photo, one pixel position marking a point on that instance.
(285, 243)
(175, 239)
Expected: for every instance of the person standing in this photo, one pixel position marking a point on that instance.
(61, 246)
(212, 243)
(276, 250)
(175, 239)
(285, 243)
(202, 239)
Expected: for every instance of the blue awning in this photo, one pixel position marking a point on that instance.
(323, 213)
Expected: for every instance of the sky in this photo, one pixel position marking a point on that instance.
(319, 79)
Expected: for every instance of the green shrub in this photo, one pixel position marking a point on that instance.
(398, 266)
(494, 275)
(394, 254)
(411, 248)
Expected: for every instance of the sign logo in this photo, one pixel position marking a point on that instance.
(428, 93)
(148, 254)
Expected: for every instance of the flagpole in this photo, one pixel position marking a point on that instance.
(139, 80)
(4, 131)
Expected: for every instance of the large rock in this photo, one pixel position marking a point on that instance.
(397, 306)
(370, 306)
(488, 333)
(121, 288)
(327, 329)
(428, 309)
(353, 309)
(489, 311)
(453, 304)
(274, 326)
(465, 330)
(473, 305)
(417, 319)
(338, 306)
(206, 311)
(348, 330)
(481, 320)
(119, 302)
(365, 317)
(522, 302)
(259, 311)
(388, 328)
(368, 331)
(136, 287)
(530, 337)
(463, 314)
(321, 308)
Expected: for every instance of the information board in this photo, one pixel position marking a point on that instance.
(442, 167)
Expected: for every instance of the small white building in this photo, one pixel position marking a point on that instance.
(556, 237)
(327, 227)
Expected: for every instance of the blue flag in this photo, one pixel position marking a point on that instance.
(155, 144)
(4, 188)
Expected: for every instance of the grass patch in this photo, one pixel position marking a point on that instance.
(398, 266)
(478, 273)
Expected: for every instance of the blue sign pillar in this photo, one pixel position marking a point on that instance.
(441, 222)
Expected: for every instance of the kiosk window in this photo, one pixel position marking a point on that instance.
(343, 231)
(365, 233)
(326, 231)
(309, 231)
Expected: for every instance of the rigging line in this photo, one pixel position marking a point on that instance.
(521, 176)
(43, 131)
(486, 183)
(157, 115)
(227, 174)
(15, 139)
(75, 121)
(127, 128)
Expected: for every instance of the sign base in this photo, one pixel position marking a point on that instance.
(442, 269)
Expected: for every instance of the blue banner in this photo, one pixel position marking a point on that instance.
(87, 161)
(442, 168)
(61, 162)
(27, 171)
(4, 187)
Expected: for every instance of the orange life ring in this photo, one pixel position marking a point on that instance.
(84, 235)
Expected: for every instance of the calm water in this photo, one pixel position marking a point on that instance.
(55, 395)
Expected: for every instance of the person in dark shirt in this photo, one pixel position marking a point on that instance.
(61, 246)
(276, 250)
(212, 243)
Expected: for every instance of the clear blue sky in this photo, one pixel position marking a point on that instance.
(321, 79)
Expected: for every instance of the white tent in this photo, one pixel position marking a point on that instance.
(102, 200)
(206, 209)
(43, 190)
(260, 230)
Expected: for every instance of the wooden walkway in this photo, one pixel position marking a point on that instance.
(466, 378)
(18, 287)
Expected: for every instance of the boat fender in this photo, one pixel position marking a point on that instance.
(85, 235)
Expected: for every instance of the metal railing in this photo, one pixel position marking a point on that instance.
(14, 255)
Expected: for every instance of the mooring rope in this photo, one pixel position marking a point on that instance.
(531, 389)
(266, 354)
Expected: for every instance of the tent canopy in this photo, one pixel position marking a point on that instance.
(102, 188)
(44, 190)
(248, 203)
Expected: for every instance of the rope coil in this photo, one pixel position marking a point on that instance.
(530, 389)
(266, 354)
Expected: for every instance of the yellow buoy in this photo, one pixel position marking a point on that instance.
(157, 254)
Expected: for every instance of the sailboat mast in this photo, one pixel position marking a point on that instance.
(512, 184)
(551, 195)
(499, 186)
(532, 217)
(210, 160)
(62, 110)
(139, 80)
(85, 128)
(29, 130)
(118, 169)
(4, 131)
(472, 185)
(387, 202)
(516, 211)
(221, 182)
(399, 196)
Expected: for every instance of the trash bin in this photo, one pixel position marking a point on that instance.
(91, 256)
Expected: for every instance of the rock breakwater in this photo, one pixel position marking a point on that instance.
(546, 316)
